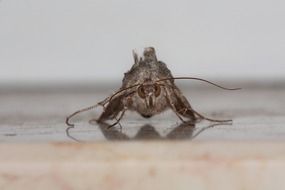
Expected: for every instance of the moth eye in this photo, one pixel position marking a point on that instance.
(141, 92)
(157, 90)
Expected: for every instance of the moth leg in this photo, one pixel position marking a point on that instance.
(111, 112)
(119, 119)
(173, 106)
(185, 109)
(181, 106)
(113, 108)
(117, 105)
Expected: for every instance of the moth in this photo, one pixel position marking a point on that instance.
(148, 88)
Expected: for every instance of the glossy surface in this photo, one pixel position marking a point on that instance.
(154, 153)
(37, 114)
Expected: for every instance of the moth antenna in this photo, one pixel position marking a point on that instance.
(68, 135)
(209, 119)
(122, 90)
(194, 78)
(205, 128)
(77, 112)
(102, 103)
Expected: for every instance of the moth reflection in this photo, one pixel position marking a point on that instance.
(148, 132)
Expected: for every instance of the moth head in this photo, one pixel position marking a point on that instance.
(149, 92)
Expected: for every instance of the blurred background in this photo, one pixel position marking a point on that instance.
(59, 56)
(72, 40)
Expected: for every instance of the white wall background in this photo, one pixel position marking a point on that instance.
(51, 40)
